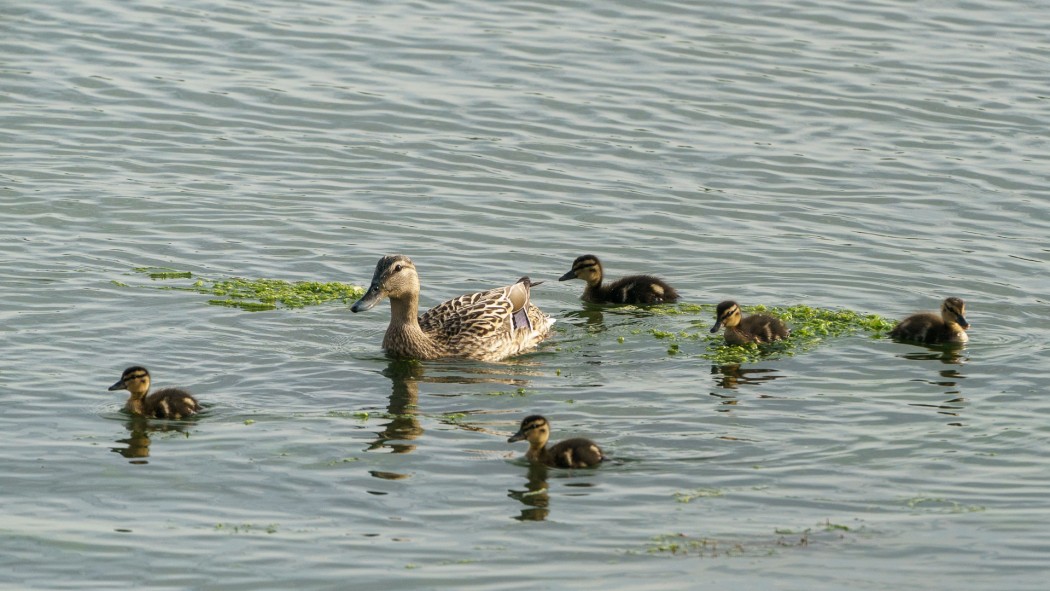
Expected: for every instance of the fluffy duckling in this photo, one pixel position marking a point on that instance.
(757, 328)
(488, 325)
(931, 329)
(166, 403)
(571, 453)
(635, 289)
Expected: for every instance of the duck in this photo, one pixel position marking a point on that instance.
(487, 326)
(166, 403)
(932, 329)
(634, 289)
(757, 328)
(571, 453)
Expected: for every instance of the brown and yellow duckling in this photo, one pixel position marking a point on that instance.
(757, 328)
(635, 289)
(929, 328)
(488, 325)
(571, 453)
(166, 403)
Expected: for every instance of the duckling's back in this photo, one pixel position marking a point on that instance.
(639, 289)
(577, 452)
(171, 403)
(927, 328)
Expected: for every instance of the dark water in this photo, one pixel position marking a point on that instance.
(876, 158)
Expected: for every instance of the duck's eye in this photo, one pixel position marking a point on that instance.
(397, 268)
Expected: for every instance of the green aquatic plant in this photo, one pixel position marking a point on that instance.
(163, 273)
(256, 295)
(700, 493)
(782, 539)
(809, 327)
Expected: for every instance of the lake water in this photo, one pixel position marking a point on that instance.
(874, 157)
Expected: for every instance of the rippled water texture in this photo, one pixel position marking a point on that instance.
(873, 156)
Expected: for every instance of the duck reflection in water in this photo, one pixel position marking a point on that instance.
(405, 375)
(953, 402)
(731, 376)
(136, 446)
(403, 411)
(535, 496)
(950, 354)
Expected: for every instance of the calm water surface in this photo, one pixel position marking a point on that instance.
(874, 157)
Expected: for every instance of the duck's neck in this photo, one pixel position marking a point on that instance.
(593, 291)
(956, 332)
(537, 451)
(404, 311)
(404, 337)
(136, 404)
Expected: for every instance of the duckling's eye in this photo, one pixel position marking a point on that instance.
(397, 268)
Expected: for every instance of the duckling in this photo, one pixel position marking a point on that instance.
(931, 329)
(571, 453)
(166, 403)
(757, 328)
(635, 289)
(488, 325)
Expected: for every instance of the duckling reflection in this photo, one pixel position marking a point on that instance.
(137, 442)
(950, 354)
(731, 376)
(404, 375)
(590, 317)
(950, 407)
(136, 446)
(535, 497)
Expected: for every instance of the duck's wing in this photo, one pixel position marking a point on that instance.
(488, 324)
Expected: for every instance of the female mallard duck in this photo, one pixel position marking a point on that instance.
(635, 289)
(931, 329)
(488, 325)
(571, 453)
(166, 403)
(757, 328)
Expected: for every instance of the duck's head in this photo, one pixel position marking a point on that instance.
(587, 267)
(135, 379)
(954, 310)
(535, 429)
(727, 314)
(395, 278)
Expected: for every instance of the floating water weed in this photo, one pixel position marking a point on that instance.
(680, 544)
(809, 327)
(256, 295)
(700, 493)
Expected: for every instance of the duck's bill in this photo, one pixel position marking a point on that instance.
(718, 325)
(516, 437)
(371, 298)
(118, 386)
(963, 323)
(567, 276)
